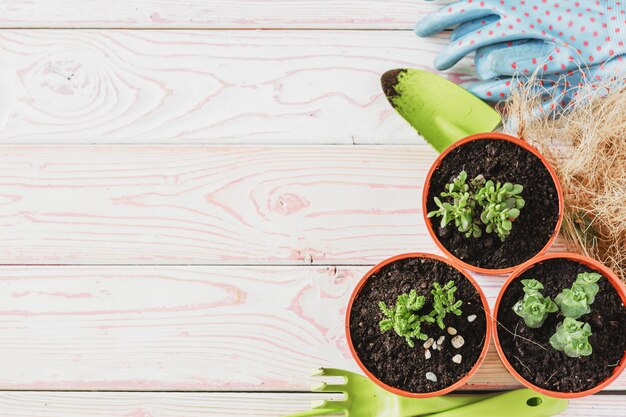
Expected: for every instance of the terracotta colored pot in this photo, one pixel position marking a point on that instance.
(590, 263)
(497, 136)
(398, 391)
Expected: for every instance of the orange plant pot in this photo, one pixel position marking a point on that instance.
(496, 136)
(588, 262)
(398, 391)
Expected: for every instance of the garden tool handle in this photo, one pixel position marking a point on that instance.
(518, 403)
(317, 412)
(409, 407)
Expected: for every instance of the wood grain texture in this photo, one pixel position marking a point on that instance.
(211, 14)
(75, 86)
(207, 204)
(107, 404)
(184, 328)
(198, 204)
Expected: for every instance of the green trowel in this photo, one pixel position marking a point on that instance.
(441, 111)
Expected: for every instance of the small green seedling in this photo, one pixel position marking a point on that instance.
(460, 210)
(572, 338)
(575, 301)
(478, 202)
(534, 307)
(402, 317)
(444, 302)
(501, 205)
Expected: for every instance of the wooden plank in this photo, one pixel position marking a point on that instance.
(184, 328)
(69, 86)
(198, 204)
(115, 404)
(212, 14)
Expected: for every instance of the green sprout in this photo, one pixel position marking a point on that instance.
(534, 307)
(501, 205)
(403, 318)
(575, 301)
(461, 210)
(572, 337)
(478, 202)
(444, 302)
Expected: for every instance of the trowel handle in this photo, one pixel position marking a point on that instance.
(518, 403)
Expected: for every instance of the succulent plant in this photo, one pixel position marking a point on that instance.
(575, 301)
(572, 338)
(444, 302)
(459, 209)
(501, 205)
(531, 286)
(534, 307)
(469, 205)
(587, 282)
(403, 317)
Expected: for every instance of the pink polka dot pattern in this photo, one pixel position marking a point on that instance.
(557, 89)
(565, 34)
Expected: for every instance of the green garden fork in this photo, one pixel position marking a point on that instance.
(363, 398)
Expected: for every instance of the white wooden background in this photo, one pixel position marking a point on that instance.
(190, 191)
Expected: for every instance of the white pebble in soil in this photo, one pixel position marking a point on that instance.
(458, 341)
(427, 354)
(431, 377)
(427, 344)
(435, 346)
(451, 331)
(440, 340)
(471, 318)
(457, 358)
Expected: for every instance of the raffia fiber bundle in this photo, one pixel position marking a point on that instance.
(586, 145)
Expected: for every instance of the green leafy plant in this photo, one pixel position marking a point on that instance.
(531, 286)
(534, 307)
(460, 210)
(575, 301)
(444, 302)
(403, 317)
(479, 202)
(501, 205)
(587, 282)
(572, 338)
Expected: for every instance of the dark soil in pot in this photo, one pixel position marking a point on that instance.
(387, 355)
(504, 161)
(531, 354)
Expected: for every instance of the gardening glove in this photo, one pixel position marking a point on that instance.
(558, 90)
(572, 33)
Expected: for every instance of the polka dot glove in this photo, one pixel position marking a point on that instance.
(569, 34)
(558, 90)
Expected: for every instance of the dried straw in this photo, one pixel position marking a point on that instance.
(586, 144)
